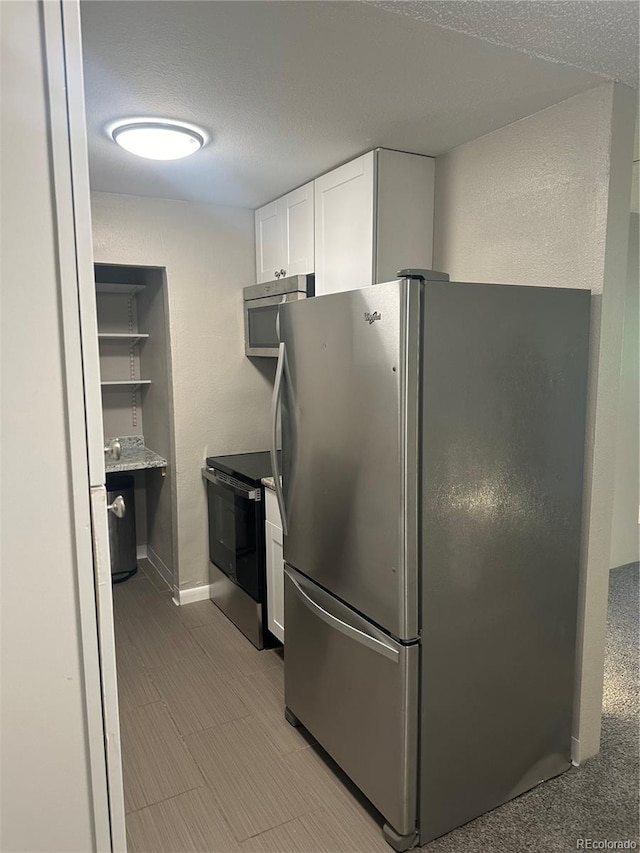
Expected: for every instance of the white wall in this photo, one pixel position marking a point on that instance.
(221, 399)
(545, 201)
(625, 533)
(45, 791)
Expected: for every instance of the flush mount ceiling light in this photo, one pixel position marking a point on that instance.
(157, 139)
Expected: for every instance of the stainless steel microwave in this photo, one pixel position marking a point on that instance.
(261, 303)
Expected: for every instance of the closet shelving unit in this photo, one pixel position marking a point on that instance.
(126, 334)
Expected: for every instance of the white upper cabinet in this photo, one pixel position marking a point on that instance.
(269, 251)
(298, 230)
(373, 216)
(284, 235)
(344, 202)
(355, 226)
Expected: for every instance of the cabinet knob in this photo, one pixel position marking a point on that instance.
(283, 272)
(277, 274)
(114, 448)
(118, 507)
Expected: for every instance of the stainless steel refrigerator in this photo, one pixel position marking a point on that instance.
(433, 442)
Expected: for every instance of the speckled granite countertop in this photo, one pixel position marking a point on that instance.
(134, 455)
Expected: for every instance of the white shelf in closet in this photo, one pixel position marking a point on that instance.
(131, 337)
(121, 289)
(114, 383)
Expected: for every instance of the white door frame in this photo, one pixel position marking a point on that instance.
(63, 44)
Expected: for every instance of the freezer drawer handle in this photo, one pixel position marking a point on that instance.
(348, 630)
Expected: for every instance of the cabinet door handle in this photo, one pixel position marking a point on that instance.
(277, 274)
(283, 272)
(118, 507)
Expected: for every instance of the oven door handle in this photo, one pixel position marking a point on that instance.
(275, 406)
(240, 490)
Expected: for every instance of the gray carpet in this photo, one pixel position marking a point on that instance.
(598, 800)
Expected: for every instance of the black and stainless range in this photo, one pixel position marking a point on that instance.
(236, 541)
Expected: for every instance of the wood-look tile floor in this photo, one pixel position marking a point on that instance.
(209, 762)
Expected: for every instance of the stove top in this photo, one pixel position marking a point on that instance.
(251, 467)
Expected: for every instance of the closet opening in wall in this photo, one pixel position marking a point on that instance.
(138, 423)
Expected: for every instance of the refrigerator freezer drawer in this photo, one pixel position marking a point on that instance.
(355, 689)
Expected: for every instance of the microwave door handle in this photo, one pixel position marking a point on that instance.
(275, 405)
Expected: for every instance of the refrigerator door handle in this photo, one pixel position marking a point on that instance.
(361, 637)
(275, 405)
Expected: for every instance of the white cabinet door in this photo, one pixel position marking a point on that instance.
(297, 223)
(344, 228)
(275, 580)
(269, 246)
(284, 235)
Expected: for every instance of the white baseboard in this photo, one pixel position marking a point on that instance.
(191, 594)
(160, 568)
(575, 751)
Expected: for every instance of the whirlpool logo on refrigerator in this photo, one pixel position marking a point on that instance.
(371, 318)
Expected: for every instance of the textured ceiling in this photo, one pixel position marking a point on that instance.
(289, 89)
(596, 35)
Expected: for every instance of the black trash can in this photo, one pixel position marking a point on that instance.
(122, 526)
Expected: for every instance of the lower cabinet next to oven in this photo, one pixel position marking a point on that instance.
(275, 566)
